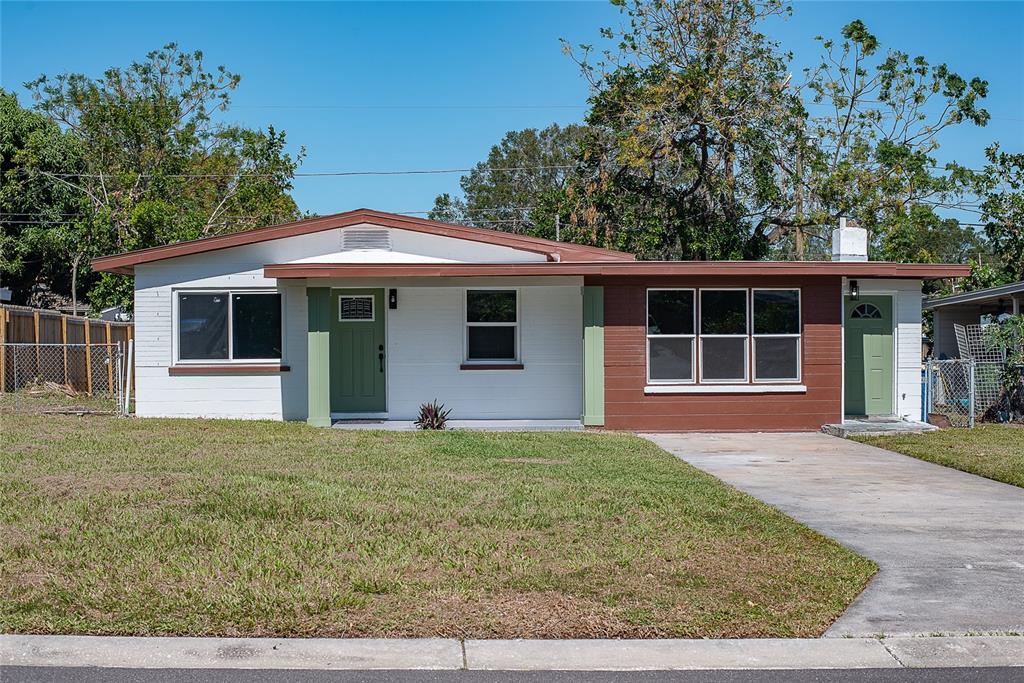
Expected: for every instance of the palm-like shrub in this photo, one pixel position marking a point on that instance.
(433, 415)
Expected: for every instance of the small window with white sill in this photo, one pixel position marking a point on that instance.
(228, 326)
(492, 326)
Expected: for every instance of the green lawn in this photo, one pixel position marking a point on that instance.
(993, 451)
(174, 527)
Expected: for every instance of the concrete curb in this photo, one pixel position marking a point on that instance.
(510, 655)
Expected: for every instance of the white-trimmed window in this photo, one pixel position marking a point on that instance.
(776, 335)
(492, 325)
(671, 322)
(225, 326)
(724, 335)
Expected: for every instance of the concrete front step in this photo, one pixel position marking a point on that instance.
(876, 426)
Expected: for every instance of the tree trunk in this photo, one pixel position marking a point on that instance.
(74, 283)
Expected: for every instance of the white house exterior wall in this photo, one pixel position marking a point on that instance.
(907, 339)
(426, 346)
(424, 335)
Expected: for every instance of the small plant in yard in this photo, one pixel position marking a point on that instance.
(433, 415)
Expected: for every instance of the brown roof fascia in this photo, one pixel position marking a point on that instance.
(554, 251)
(614, 270)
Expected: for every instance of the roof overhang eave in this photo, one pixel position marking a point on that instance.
(605, 269)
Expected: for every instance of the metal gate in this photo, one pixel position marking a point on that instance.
(64, 377)
(962, 389)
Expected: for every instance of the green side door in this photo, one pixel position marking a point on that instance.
(868, 357)
(358, 362)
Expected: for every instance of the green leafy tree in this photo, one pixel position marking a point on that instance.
(688, 113)
(39, 219)
(1000, 186)
(699, 144)
(878, 123)
(156, 166)
(520, 185)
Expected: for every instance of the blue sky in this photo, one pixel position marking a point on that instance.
(394, 86)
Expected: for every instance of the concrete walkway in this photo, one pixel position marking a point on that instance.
(950, 545)
(507, 655)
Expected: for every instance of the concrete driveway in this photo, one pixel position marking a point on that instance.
(950, 545)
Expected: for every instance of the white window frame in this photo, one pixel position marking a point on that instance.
(373, 308)
(798, 336)
(691, 337)
(517, 359)
(230, 360)
(745, 337)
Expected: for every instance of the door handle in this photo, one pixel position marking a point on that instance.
(380, 357)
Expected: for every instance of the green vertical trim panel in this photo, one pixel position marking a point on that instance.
(318, 300)
(593, 356)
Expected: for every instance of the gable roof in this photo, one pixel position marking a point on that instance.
(555, 251)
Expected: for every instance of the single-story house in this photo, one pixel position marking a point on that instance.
(367, 315)
(970, 308)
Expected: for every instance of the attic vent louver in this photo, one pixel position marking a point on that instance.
(365, 239)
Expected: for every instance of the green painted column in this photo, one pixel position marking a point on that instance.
(318, 365)
(593, 356)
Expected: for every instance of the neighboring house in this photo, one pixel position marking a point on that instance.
(368, 315)
(969, 309)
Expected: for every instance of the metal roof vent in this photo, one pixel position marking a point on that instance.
(365, 239)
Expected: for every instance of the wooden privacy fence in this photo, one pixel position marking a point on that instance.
(36, 331)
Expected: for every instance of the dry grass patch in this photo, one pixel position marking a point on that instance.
(175, 527)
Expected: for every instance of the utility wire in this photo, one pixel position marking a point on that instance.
(323, 174)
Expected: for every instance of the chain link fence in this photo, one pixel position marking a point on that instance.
(963, 390)
(72, 378)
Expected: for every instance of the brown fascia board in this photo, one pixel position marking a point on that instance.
(609, 269)
(555, 251)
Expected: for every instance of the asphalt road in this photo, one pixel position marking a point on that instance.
(14, 674)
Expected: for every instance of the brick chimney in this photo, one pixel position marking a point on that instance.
(849, 242)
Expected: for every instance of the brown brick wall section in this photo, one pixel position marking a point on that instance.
(627, 407)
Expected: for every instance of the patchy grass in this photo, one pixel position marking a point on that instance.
(53, 398)
(192, 527)
(988, 450)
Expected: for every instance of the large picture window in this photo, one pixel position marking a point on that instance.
(776, 334)
(492, 322)
(723, 335)
(734, 336)
(226, 326)
(671, 315)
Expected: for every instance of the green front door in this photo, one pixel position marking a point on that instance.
(867, 362)
(358, 360)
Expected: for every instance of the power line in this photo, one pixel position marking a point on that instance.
(322, 174)
(408, 106)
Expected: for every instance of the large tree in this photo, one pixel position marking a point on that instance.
(688, 111)
(157, 165)
(1000, 188)
(519, 187)
(701, 144)
(876, 123)
(38, 218)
